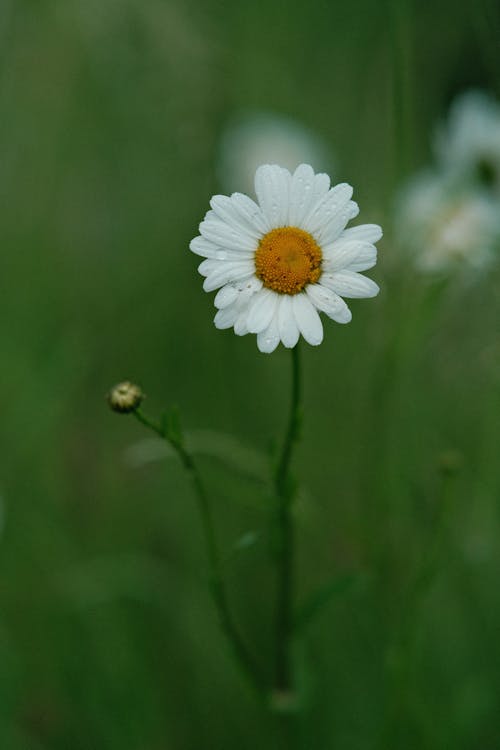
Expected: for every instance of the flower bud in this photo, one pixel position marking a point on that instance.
(125, 397)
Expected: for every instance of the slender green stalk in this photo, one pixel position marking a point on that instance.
(217, 587)
(400, 25)
(485, 18)
(402, 663)
(286, 541)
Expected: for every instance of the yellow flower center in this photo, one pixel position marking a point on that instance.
(287, 259)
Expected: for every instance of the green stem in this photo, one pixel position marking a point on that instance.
(286, 552)
(217, 587)
(485, 18)
(402, 703)
(399, 12)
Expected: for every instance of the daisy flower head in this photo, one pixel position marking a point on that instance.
(468, 145)
(265, 138)
(447, 227)
(282, 260)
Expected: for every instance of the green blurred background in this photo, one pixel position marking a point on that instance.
(111, 115)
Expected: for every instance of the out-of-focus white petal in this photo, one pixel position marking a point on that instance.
(266, 138)
(447, 227)
(467, 146)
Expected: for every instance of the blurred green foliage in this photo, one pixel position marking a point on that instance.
(111, 112)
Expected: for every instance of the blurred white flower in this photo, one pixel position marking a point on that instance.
(468, 145)
(447, 226)
(280, 262)
(263, 138)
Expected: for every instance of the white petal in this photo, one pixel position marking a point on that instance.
(329, 302)
(321, 186)
(225, 296)
(288, 330)
(344, 252)
(365, 260)
(209, 265)
(308, 320)
(350, 284)
(240, 326)
(226, 273)
(226, 318)
(242, 290)
(365, 232)
(227, 211)
(262, 310)
(301, 194)
(251, 212)
(332, 229)
(207, 249)
(225, 236)
(272, 185)
(326, 209)
(203, 247)
(268, 340)
(249, 286)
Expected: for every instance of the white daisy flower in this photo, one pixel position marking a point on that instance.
(468, 145)
(279, 262)
(447, 227)
(265, 138)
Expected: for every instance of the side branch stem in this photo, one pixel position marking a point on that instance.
(217, 586)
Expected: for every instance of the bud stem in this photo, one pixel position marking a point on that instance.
(217, 586)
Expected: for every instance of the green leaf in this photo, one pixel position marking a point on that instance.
(227, 449)
(148, 450)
